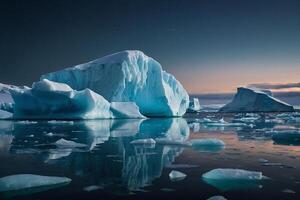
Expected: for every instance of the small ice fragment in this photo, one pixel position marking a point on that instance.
(176, 175)
(232, 174)
(31, 135)
(149, 141)
(28, 181)
(167, 189)
(289, 191)
(262, 160)
(272, 164)
(68, 144)
(49, 134)
(92, 188)
(217, 198)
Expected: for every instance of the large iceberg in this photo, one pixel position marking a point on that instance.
(50, 100)
(251, 100)
(128, 76)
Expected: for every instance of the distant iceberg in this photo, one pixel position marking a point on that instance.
(129, 76)
(194, 105)
(50, 100)
(251, 100)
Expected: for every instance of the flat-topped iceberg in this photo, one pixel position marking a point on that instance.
(251, 100)
(51, 100)
(128, 76)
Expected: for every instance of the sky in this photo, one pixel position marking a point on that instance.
(210, 46)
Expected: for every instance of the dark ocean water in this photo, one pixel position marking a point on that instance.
(118, 169)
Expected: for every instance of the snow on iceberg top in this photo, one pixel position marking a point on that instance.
(128, 76)
(46, 85)
(114, 58)
(254, 100)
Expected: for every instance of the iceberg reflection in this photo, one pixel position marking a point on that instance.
(107, 158)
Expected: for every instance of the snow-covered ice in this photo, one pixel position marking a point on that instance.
(176, 175)
(128, 76)
(28, 181)
(250, 100)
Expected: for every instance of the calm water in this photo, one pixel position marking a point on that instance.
(121, 170)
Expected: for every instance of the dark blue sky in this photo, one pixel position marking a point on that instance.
(210, 46)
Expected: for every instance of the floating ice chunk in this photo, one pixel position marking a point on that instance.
(62, 143)
(251, 100)
(92, 188)
(194, 105)
(236, 174)
(208, 145)
(233, 179)
(262, 160)
(149, 141)
(50, 134)
(60, 122)
(29, 181)
(289, 191)
(176, 175)
(217, 198)
(286, 137)
(129, 76)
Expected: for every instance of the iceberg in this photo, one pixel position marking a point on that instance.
(128, 76)
(25, 183)
(51, 100)
(194, 105)
(176, 175)
(250, 100)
